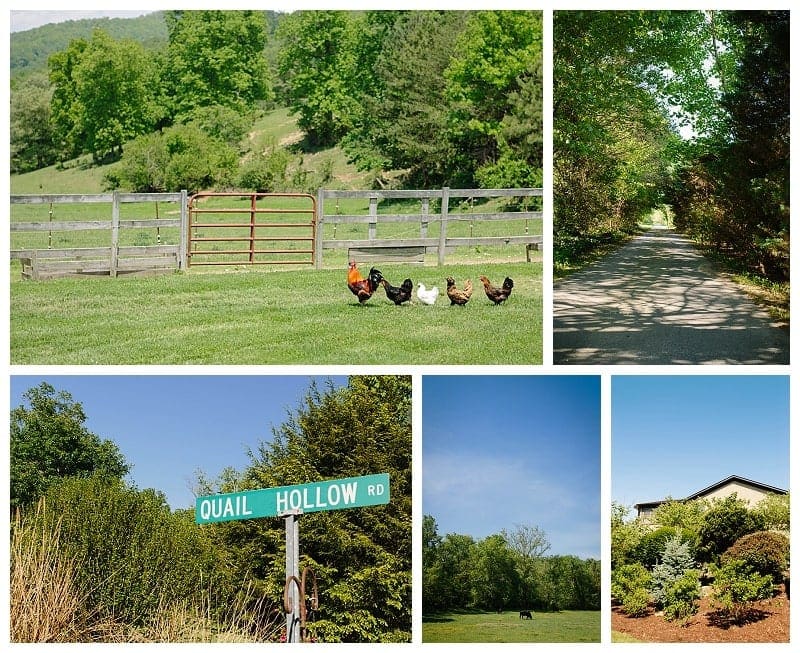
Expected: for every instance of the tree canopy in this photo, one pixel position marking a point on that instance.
(49, 443)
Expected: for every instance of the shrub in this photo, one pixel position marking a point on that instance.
(737, 586)
(766, 552)
(726, 521)
(264, 173)
(636, 602)
(629, 585)
(676, 561)
(681, 597)
(774, 510)
(651, 547)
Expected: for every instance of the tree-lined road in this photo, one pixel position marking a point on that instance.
(658, 301)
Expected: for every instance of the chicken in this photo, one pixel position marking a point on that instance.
(497, 295)
(457, 296)
(427, 296)
(361, 287)
(398, 295)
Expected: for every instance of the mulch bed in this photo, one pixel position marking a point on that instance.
(768, 622)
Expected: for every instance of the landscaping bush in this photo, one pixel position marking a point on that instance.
(774, 510)
(737, 586)
(681, 597)
(629, 585)
(766, 552)
(726, 521)
(651, 547)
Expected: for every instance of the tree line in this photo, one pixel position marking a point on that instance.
(504, 571)
(685, 108)
(446, 97)
(132, 564)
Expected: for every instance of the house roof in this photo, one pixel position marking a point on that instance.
(725, 481)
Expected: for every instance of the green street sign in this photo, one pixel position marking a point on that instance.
(338, 494)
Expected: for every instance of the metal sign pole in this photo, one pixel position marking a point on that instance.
(293, 569)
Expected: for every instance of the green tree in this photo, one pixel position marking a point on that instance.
(104, 94)
(676, 560)
(216, 58)
(494, 54)
(625, 535)
(494, 575)
(50, 442)
(774, 509)
(736, 587)
(31, 128)
(362, 558)
(529, 543)
(318, 61)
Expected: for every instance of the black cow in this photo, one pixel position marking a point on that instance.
(525, 614)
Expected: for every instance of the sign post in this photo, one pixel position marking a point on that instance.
(290, 502)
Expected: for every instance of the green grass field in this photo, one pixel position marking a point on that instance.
(255, 317)
(490, 627)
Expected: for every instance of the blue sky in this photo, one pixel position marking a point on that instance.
(675, 435)
(168, 427)
(498, 451)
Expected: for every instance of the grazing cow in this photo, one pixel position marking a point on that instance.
(525, 614)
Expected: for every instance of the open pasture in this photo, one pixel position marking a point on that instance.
(263, 317)
(491, 627)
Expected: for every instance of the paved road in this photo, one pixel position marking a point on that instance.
(659, 301)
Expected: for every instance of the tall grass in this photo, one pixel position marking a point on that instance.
(50, 604)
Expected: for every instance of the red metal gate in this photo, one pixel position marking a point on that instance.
(272, 232)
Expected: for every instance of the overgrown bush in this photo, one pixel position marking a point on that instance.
(737, 586)
(726, 521)
(134, 556)
(774, 510)
(766, 552)
(629, 585)
(265, 172)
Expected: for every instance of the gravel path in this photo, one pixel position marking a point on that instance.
(658, 301)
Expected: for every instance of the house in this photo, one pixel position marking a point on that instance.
(750, 491)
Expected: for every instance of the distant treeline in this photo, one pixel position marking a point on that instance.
(446, 97)
(509, 570)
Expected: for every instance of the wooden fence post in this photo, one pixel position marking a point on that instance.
(320, 218)
(373, 214)
(443, 223)
(114, 234)
(423, 224)
(184, 235)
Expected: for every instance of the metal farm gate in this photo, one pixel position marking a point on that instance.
(252, 229)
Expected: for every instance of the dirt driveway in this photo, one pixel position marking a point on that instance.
(659, 301)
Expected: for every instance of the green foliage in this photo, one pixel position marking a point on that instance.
(104, 94)
(216, 58)
(676, 560)
(264, 172)
(685, 515)
(31, 129)
(180, 157)
(737, 586)
(136, 557)
(681, 597)
(725, 522)
(49, 442)
(626, 578)
(362, 558)
(625, 535)
(651, 546)
(774, 510)
(636, 603)
(766, 552)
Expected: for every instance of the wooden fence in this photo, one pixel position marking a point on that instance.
(414, 249)
(113, 259)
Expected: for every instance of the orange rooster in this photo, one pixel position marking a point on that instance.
(361, 287)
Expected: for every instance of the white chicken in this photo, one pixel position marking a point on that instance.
(427, 296)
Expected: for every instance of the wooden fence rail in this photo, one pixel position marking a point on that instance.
(394, 248)
(113, 259)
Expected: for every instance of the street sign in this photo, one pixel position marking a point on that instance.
(338, 494)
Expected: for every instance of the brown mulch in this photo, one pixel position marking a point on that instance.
(768, 622)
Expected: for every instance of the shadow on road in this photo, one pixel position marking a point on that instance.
(659, 301)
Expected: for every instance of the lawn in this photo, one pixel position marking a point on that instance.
(491, 627)
(256, 316)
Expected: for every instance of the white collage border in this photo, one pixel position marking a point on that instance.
(419, 371)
